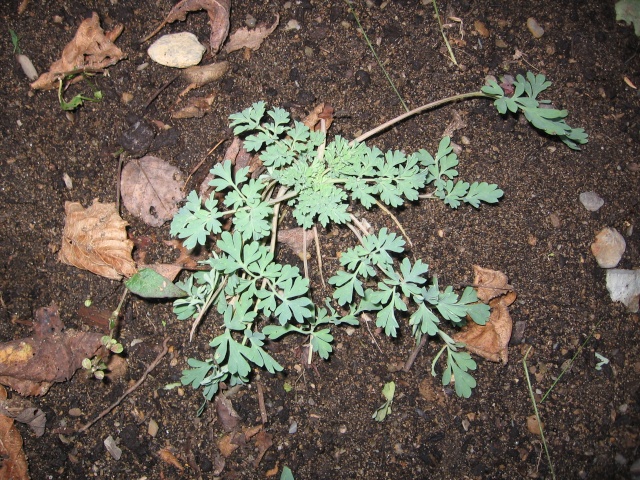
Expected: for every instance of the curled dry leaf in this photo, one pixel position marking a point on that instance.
(251, 39)
(228, 417)
(14, 461)
(294, 239)
(151, 189)
(200, 76)
(263, 441)
(196, 107)
(90, 50)
(168, 457)
(491, 341)
(95, 239)
(31, 365)
(23, 411)
(218, 11)
(323, 111)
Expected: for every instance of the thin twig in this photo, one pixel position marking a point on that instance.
(160, 90)
(195, 169)
(395, 220)
(414, 354)
(318, 253)
(367, 319)
(149, 369)
(304, 253)
(417, 110)
(118, 181)
(263, 409)
(205, 308)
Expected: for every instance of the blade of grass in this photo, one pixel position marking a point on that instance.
(366, 38)
(535, 409)
(446, 41)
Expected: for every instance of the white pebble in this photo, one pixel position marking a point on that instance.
(534, 27)
(591, 201)
(179, 50)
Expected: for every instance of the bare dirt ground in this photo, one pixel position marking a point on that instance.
(538, 234)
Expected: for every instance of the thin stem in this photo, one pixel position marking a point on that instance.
(535, 409)
(417, 110)
(446, 41)
(366, 38)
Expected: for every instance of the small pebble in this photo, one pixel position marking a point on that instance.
(501, 43)
(292, 24)
(250, 21)
(608, 247)
(591, 201)
(178, 50)
(555, 220)
(293, 428)
(75, 412)
(126, 97)
(481, 28)
(536, 30)
(153, 428)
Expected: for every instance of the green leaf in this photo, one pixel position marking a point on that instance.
(629, 11)
(148, 283)
(195, 223)
(321, 343)
(388, 391)
(286, 474)
(458, 364)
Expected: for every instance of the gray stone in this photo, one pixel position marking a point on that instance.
(591, 201)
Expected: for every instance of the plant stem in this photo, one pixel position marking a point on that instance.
(446, 41)
(535, 409)
(415, 111)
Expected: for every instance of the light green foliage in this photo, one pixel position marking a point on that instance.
(287, 474)
(79, 99)
(148, 283)
(524, 98)
(388, 391)
(15, 41)
(258, 298)
(629, 11)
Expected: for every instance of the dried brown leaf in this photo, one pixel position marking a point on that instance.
(14, 461)
(23, 411)
(31, 365)
(218, 11)
(95, 239)
(264, 441)
(294, 239)
(168, 457)
(199, 76)
(228, 417)
(184, 258)
(251, 39)
(151, 189)
(230, 442)
(90, 50)
(490, 283)
(322, 111)
(196, 107)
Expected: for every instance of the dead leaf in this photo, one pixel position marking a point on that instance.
(95, 317)
(196, 107)
(490, 283)
(14, 461)
(218, 11)
(294, 239)
(23, 411)
(457, 123)
(168, 457)
(184, 258)
(320, 112)
(95, 239)
(91, 50)
(230, 442)
(200, 76)
(167, 270)
(31, 365)
(491, 341)
(251, 39)
(264, 441)
(228, 417)
(151, 189)
(534, 426)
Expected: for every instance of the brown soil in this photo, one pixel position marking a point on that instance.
(591, 419)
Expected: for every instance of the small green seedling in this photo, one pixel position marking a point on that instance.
(388, 391)
(79, 99)
(287, 474)
(15, 41)
(602, 361)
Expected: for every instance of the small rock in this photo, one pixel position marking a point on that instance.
(501, 43)
(250, 21)
(481, 28)
(152, 428)
(624, 286)
(536, 30)
(179, 50)
(591, 201)
(292, 24)
(533, 426)
(363, 79)
(554, 218)
(293, 428)
(137, 138)
(517, 337)
(112, 448)
(608, 247)
(126, 97)
(166, 138)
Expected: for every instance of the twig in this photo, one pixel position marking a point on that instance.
(368, 319)
(195, 169)
(446, 41)
(318, 253)
(535, 409)
(395, 220)
(149, 369)
(263, 409)
(160, 90)
(414, 354)
(118, 181)
(304, 253)
(417, 110)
